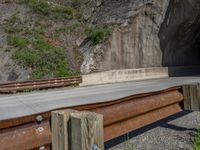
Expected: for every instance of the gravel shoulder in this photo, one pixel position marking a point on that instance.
(177, 134)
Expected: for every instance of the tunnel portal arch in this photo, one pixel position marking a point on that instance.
(180, 38)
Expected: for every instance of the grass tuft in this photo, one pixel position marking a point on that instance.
(12, 24)
(45, 8)
(17, 41)
(40, 6)
(98, 34)
(197, 141)
(65, 12)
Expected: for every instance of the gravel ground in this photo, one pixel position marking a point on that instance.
(177, 134)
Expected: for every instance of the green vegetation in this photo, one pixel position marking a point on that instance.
(34, 42)
(98, 34)
(40, 6)
(45, 59)
(33, 50)
(17, 41)
(12, 25)
(197, 141)
(64, 29)
(46, 8)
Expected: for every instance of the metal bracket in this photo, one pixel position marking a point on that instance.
(95, 147)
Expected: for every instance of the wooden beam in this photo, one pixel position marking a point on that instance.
(86, 131)
(186, 97)
(191, 95)
(74, 130)
(60, 123)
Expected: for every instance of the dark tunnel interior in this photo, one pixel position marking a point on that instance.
(180, 38)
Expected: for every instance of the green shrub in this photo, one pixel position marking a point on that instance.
(32, 49)
(44, 59)
(98, 34)
(27, 57)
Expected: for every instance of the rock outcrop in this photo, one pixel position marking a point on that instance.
(10, 70)
(134, 42)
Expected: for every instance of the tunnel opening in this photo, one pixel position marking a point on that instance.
(180, 38)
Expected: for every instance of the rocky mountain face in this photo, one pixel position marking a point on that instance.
(97, 35)
(134, 43)
(9, 69)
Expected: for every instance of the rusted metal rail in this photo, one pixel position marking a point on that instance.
(39, 84)
(120, 116)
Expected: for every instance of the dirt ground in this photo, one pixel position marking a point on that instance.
(177, 134)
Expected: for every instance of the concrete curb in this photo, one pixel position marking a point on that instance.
(123, 75)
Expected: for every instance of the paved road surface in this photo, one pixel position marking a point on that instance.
(22, 104)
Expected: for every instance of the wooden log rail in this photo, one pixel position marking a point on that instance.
(12, 87)
(119, 117)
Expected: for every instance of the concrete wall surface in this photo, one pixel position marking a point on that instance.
(123, 75)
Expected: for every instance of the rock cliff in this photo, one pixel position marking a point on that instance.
(134, 42)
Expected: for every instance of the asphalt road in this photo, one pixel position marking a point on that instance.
(22, 104)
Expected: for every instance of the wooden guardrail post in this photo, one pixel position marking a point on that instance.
(191, 94)
(74, 130)
(59, 122)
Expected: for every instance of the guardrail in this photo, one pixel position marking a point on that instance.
(31, 132)
(112, 76)
(13, 87)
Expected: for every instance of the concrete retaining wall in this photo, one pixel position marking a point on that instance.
(114, 76)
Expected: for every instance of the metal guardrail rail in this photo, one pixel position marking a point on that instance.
(120, 117)
(13, 87)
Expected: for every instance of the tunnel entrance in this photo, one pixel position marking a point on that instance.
(180, 38)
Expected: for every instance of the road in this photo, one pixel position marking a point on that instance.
(22, 104)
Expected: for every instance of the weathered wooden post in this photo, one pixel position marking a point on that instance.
(60, 123)
(191, 94)
(77, 130)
